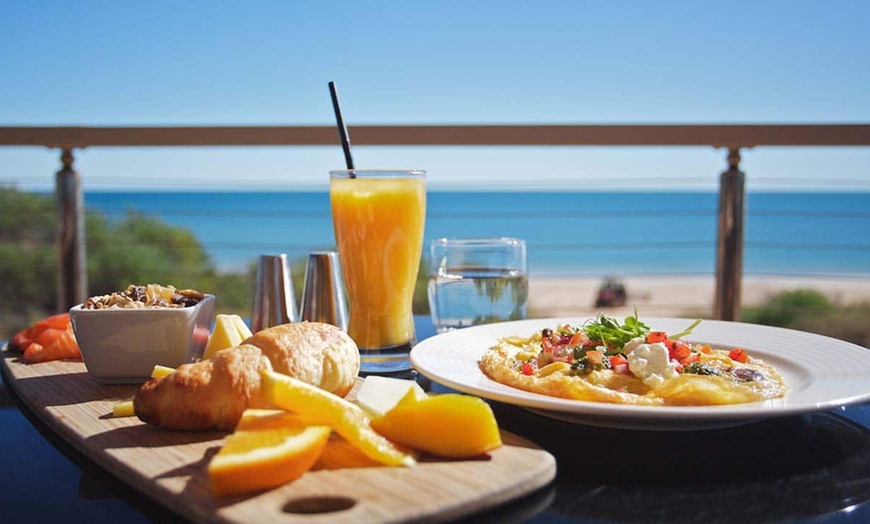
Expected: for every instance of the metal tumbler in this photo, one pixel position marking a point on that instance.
(323, 298)
(274, 303)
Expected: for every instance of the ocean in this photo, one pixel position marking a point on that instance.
(567, 233)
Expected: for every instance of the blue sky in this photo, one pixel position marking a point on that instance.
(483, 62)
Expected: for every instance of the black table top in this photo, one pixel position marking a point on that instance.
(803, 468)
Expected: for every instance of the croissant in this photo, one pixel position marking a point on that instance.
(214, 393)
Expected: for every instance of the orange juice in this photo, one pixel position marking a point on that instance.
(378, 219)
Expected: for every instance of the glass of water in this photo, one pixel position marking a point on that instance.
(477, 281)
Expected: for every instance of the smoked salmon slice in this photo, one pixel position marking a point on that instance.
(51, 338)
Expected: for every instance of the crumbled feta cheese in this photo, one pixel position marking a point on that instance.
(650, 362)
(633, 343)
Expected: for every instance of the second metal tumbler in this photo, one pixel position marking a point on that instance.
(323, 298)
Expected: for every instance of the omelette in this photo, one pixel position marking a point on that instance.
(627, 363)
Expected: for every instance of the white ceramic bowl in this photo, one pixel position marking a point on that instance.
(122, 346)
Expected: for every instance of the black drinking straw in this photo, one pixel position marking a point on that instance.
(342, 129)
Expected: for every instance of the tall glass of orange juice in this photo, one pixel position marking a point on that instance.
(378, 218)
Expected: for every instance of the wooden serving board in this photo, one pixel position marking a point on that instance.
(170, 466)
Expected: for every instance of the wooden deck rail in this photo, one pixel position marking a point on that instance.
(732, 137)
(725, 136)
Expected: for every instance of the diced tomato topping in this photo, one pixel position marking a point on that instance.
(619, 364)
(576, 339)
(547, 345)
(706, 349)
(616, 360)
(738, 354)
(527, 369)
(694, 357)
(656, 336)
(679, 350)
(595, 356)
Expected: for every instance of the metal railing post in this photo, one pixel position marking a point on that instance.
(72, 275)
(729, 246)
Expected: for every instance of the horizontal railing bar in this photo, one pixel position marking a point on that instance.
(715, 135)
(123, 210)
(458, 215)
(571, 246)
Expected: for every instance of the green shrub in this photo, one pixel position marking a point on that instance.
(845, 323)
(789, 307)
(136, 250)
(811, 311)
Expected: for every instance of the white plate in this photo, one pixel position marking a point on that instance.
(822, 373)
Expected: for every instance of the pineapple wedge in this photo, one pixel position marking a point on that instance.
(243, 328)
(229, 332)
(123, 408)
(380, 394)
(161, 371)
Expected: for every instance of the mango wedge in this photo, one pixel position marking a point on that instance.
(449, 425)
(317, 406)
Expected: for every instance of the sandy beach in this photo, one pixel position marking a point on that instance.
(676, 296)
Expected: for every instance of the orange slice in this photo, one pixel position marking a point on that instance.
(317, 406)
(338, 453)
(260, 419)
(258, 460)
(341, 454)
